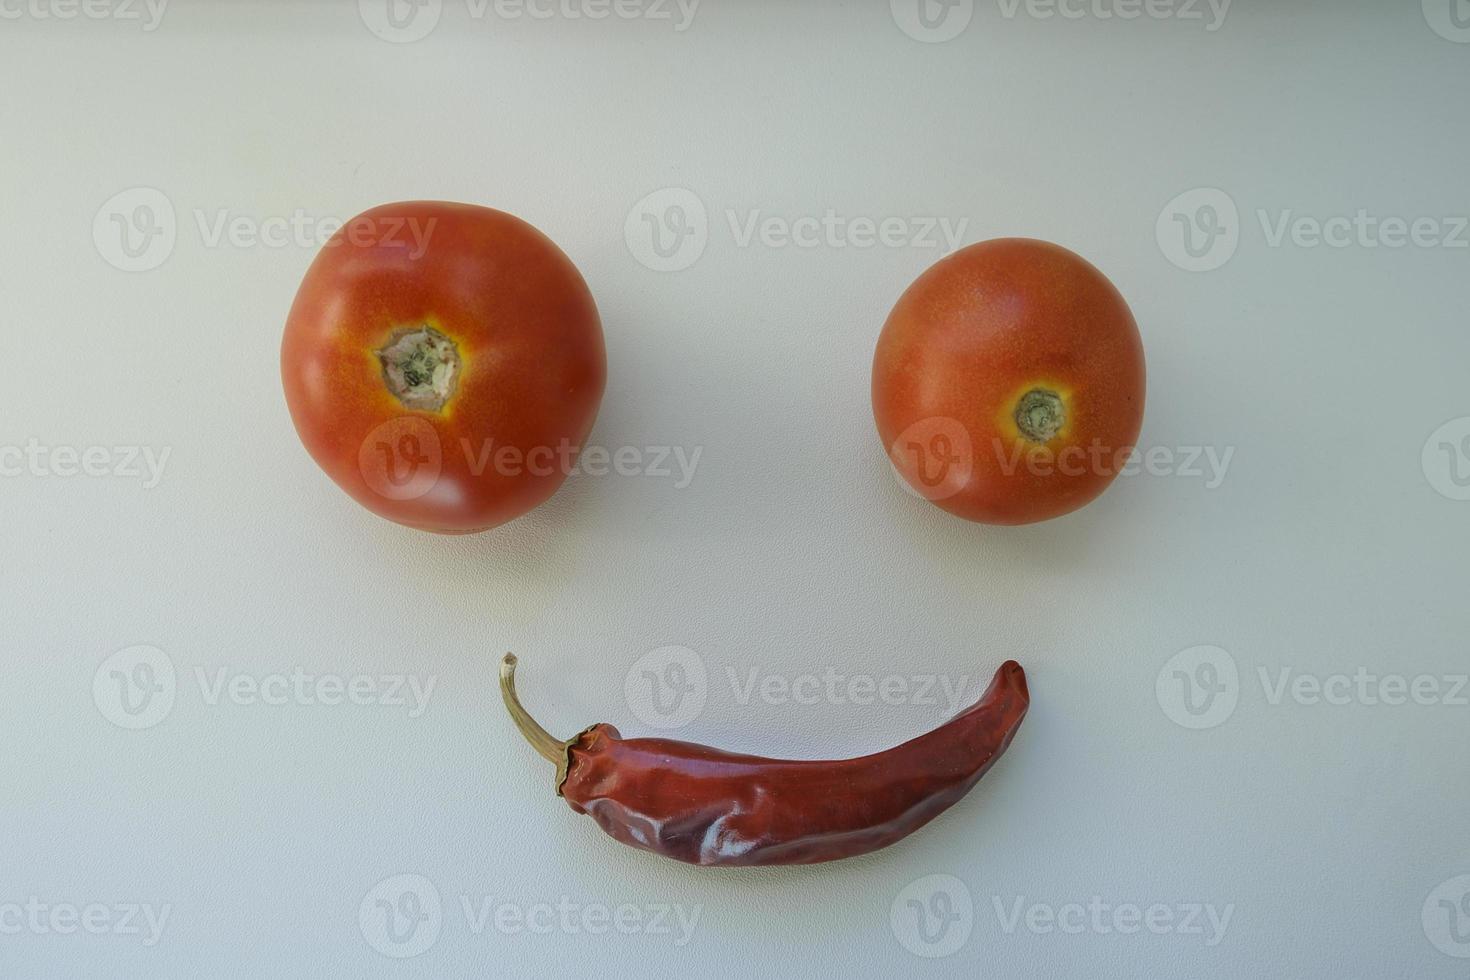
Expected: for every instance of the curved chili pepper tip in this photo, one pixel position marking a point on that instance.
(1014, 675)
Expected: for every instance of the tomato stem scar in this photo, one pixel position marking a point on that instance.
(420, 367)
(1040, 415)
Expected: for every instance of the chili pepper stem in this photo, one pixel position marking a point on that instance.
(549, 747)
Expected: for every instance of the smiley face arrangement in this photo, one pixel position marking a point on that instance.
(426, 371)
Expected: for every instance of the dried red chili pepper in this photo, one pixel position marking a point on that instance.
(705, 806)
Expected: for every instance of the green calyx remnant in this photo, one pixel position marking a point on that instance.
(1040, 415)
(420, 367)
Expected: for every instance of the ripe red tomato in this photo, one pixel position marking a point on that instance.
(1008, 382)
(443, 364)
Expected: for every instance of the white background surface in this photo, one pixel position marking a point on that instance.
(1326, 548)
